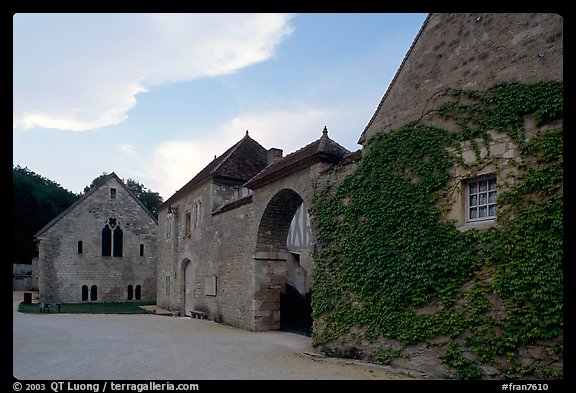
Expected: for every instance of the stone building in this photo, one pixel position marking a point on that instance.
(235, 241)
(230, 240)
(103, 248)
(470, 53)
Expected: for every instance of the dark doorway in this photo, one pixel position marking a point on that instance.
(295, 311)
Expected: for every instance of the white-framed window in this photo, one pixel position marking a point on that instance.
(481, 199)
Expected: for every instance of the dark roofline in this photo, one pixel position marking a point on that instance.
(292, 163)
(209, 171)
(352, 157)
(392, 83)
(233, 205)
(103, 181)
(200, 178)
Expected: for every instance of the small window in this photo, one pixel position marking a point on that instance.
(80, 247)
(168, 226)
(197, 213)
(481, 199)
(138, 293)
(94, 293)
(188, 220)
(167, 285)
(141, 250)
(130, 292)
(84, 293)
(112, 193)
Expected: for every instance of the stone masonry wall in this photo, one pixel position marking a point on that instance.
(224, 246)
(471, 52)
(216, 248)
(63, 271)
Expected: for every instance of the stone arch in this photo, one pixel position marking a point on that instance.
(273, 293)
(275, 222)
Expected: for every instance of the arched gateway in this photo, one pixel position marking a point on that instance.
(283, 270)
(277, 270)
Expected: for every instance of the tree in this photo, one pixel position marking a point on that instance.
(35, 201)
(95, 182)
(149, 198)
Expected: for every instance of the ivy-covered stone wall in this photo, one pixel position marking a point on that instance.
(400, 279)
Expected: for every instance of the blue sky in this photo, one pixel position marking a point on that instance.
(153, 97)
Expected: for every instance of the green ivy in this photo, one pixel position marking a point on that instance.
(385, 250)
(385, 355)
(467, 369)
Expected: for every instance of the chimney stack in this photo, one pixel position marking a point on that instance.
(274, 154)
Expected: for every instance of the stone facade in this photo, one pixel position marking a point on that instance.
(71, 264)
(469, 52)
(251, 238)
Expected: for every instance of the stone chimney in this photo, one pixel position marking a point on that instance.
(274, 154)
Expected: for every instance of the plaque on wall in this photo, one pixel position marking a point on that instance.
(210, 286)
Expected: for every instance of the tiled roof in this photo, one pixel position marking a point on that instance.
(239, 163)
(323, 149)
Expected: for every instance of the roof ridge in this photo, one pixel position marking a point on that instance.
(228, 154)
(396, 75)
(213, 167)
(319, 148)
(84, 196)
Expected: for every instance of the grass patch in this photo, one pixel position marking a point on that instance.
(92, 308)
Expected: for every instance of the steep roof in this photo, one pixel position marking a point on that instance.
(321, 150)
(239, 163)
(101, 183)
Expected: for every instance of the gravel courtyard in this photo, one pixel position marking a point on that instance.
(154, 347)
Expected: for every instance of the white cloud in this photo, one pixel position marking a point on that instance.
(175, 162)
(129, 150)
(83, 72)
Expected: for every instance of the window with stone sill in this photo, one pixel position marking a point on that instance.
(481, 199)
